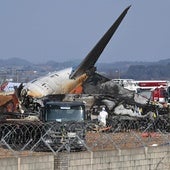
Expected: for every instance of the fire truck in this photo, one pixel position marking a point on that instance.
(155, 90)
(158, 89)
(159, 94)
(151, 84)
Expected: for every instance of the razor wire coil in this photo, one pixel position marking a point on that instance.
(59, 136)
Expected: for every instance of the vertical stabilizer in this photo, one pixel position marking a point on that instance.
(90, 60)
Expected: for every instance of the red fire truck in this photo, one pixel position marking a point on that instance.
(160, 95)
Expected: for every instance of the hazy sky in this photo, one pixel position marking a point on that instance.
(42, 30)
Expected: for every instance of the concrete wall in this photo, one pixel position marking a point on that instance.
(152, 158)
(45, 162)
(137, 159)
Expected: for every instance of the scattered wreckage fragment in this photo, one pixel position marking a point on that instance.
(8, 103)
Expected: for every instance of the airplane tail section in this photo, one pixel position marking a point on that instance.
(90, 60)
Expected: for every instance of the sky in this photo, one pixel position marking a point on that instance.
(64, 30)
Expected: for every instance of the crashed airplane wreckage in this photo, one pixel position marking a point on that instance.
(83, 84)
(69, 81)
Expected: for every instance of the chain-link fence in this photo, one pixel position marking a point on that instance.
(26, 137)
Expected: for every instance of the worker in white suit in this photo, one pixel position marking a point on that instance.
(103, 115)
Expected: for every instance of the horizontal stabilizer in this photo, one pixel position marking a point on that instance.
(90, 60)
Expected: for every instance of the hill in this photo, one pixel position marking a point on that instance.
(126, 69)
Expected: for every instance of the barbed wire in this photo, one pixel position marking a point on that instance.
(120, 133)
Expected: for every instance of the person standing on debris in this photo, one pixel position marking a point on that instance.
(102, 117)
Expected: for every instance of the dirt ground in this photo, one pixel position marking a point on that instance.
(126, 140)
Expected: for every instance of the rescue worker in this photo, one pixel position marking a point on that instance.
(103, 115)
